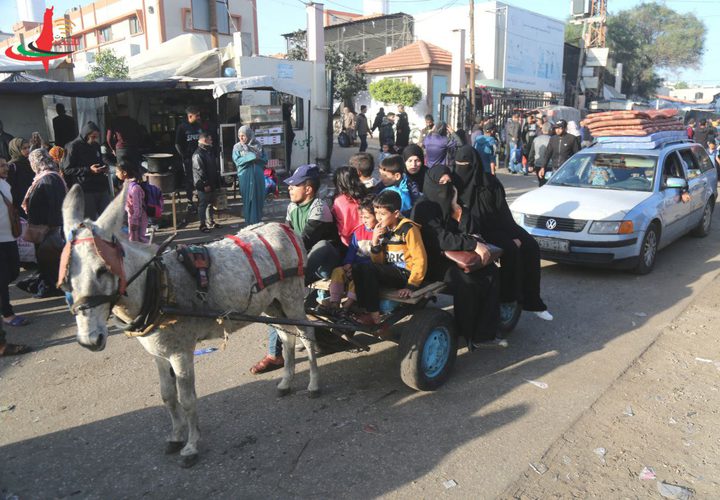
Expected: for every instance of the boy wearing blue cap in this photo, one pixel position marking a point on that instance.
(311, 219)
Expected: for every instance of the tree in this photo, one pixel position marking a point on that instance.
(681, 85)
(395, 92)
(297, 46)
(652, 36)
(573, 34)
(347, 79)
(108, 65)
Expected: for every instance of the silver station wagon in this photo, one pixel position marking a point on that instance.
(617, 205)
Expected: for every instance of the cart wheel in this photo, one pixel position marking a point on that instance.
(510, 320)
(428, 347)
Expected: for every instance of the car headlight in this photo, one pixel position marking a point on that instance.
(519, 217)
(612, 227)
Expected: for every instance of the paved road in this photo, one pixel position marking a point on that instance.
(91, 425)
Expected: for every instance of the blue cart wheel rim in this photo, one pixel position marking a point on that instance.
(436, 352)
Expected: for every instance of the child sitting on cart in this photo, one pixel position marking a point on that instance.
(398, 258)
(358, 252)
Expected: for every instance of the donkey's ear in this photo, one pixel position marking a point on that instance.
(112, 218)
(73, 209)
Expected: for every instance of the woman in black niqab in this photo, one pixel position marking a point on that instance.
(475, 295)
(485, 211)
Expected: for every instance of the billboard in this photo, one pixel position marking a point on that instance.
(533, 51)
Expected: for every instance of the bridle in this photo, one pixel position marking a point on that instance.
(112, 255)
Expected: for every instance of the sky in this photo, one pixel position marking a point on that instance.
(276, 17)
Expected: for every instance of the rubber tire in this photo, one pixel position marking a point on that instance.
(700, 231)
(642, 267)
(412, 342)
(509, 326)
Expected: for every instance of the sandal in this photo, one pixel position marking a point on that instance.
(17, 321)
(267, 364)
(14, 349)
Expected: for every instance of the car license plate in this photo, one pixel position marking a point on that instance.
(553, 245)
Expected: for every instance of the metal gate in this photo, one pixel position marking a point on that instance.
(502, 103)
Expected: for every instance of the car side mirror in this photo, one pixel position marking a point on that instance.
(676, 182)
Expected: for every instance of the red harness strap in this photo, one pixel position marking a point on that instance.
(248, 253)
(273, 256)
(291, 234)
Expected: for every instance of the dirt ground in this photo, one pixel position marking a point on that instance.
(661, 414)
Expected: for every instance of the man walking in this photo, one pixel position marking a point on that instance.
(560, 148)
(186, 142)
(512, 137)
(387, 133)
(82, 164)
(64, 127)
(363, 129)
(402, 129)
(206, 180)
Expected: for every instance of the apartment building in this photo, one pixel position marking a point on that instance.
(130, 27)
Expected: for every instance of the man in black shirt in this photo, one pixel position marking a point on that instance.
(186, 142)
(560, 148)
(703, 133)
(206, 179)
(64, 127)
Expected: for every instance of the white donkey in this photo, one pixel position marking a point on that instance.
(245, 276)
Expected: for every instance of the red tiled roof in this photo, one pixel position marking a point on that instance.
(417, 55)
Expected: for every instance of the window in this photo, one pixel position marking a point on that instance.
(691, 163)
(105, 34)
(78, 42)
(702, 158)
(201, 16)
(672, 167)
(403, 79)
(134, 25)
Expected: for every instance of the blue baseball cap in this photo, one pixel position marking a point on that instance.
(302, 174)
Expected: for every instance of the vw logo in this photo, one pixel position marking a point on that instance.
(551, 224)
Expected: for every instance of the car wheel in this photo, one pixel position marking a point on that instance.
(703, 227)
(648, 250)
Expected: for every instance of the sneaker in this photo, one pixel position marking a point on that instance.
(191, 208)
(214, 225)
(507, 310)
(544, 315)
(204, 229)
(496, 343)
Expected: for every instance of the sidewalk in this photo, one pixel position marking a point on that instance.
(658, 423)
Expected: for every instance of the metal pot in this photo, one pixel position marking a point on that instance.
(159, 163)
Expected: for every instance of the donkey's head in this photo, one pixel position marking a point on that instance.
(91, 266)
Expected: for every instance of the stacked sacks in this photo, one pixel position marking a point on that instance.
(632, 123)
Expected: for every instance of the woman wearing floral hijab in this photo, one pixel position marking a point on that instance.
(43, 204)
(250, 160)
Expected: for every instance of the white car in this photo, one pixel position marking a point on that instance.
(617, 206)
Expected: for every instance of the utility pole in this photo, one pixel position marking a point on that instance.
(472, 62)
(212, 9)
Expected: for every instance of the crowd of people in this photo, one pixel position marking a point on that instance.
(388, 228)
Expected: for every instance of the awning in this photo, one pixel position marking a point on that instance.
(264, 82)
(81, 89)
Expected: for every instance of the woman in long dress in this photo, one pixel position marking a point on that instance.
(250, 160)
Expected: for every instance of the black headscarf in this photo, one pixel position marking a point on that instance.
(419, 177)
(442, 194)
(480, 194)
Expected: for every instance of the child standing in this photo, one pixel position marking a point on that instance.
(358, 253)
(129, 172)
(393, 178)
(397, 254)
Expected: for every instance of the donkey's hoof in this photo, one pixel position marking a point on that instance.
(283, 392)
(188, 461)
(172, 447)
(314, 394)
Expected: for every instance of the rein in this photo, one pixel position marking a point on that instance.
(112, 255)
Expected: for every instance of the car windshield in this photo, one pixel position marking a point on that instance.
(625, 172)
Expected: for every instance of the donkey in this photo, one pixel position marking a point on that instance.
(93, 269)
